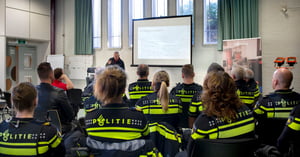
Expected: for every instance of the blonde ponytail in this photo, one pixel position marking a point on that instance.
(163, 96)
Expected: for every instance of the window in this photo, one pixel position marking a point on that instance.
(136, 11)
(210, 22)
(185, 7)
(159, 8)
(96, 23)
(114, 24)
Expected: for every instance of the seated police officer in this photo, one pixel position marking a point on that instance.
(141, 87)
(25, 136)
(160, 106)
(247, 94)
(185, 91)
(278, 104)
(222, 109)
(114, 121)
(196, 106)
(289, 140)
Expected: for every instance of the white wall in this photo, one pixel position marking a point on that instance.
(2, 17)
(2, 63)
(280, 37)
(24, 19)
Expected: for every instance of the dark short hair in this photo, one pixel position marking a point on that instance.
(143, 70)
(188, 70)
(44, 70)
(57, 73)
(23, 96)
(215, 67)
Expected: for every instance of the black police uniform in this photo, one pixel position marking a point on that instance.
(291, 133)
(28, 137)
(185, 92)
(217, 128)
(116, 123)
(138, 90)
(152, 109)
(196, 106)
(278, 104)
(248, 92)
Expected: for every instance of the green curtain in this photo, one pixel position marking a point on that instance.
(237, 19)
(83, 27)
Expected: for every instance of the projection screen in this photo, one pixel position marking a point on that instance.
(162, 41)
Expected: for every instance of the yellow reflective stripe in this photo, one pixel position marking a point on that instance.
(18, 144)
(186, 99)
(192, 109)
(202, 133)
(161, 111)
(114, 128)
(196, 136)
(281, 115)
(116, 135)
(258, 111)
(137, 96)
(201, 108)
(295, 125)
(163, 130)
(266, 108)
(237, 123)
(43, 149)
(141, 92)
(18, 151)
(56, 142)
(237, 131)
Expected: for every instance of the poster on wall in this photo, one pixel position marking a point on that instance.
(246, 53)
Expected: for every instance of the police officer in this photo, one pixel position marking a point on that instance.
(196, 106)
(290, 137)
(141, 87)
(247, 94)
(277, 104)
(114, 121)
(25, 136)
(224, 115)
(185, 92)
(160, 106)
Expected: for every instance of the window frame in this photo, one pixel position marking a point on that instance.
(99, 24)
(110, 29)
(130, 18)
(154, 9)
(205, 41)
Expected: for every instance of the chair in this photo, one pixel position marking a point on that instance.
(223, 147)
(269, 129)
(74, 96)
(53, 118)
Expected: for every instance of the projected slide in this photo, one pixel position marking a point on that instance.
(162, 41)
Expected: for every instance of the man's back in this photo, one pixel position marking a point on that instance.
(185, 92)
(139, 89)
(50, 97)
(277, 105)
